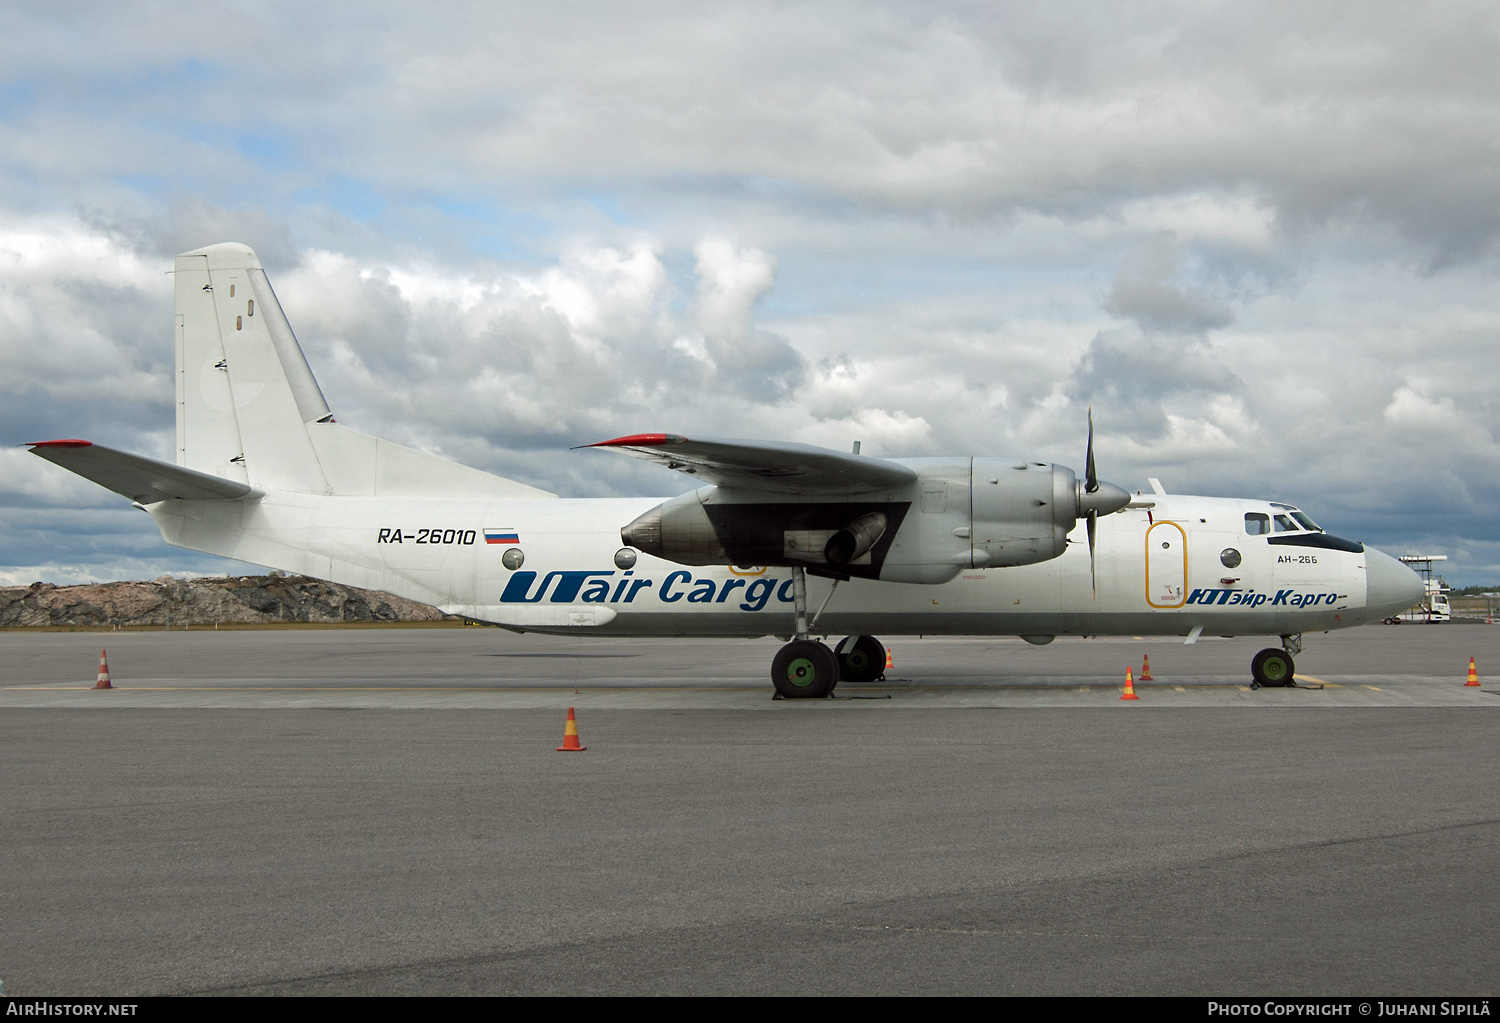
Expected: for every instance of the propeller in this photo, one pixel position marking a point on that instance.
(1095, 499)
(1091, 486)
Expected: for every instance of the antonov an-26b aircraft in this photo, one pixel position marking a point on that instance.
(781, 539)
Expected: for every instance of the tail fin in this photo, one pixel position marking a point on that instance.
(249, 409)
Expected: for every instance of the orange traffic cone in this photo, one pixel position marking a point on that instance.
(1146, 669)
(1473, 674)
(570, 736)
(888, 662)
(1129, 693)
(103, 682)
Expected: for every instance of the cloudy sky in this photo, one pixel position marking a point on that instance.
(1260, 239)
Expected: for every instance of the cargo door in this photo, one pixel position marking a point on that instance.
(1166, 565)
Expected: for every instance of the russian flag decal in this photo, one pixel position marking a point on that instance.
(502, 536)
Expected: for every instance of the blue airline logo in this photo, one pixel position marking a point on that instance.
(1249, 598)
(597, 587)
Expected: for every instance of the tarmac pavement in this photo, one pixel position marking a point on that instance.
(261, 835)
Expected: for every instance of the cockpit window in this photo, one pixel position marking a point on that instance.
(1256, 523)
(1285, 525)
(1307, 523)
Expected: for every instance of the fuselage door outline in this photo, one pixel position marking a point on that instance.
(1171, 565)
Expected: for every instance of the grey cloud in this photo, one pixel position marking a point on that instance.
(1147, 290)
(192, 222)
(761, 365)
(1132, 370)
(1382, 114)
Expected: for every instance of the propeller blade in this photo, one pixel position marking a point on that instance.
(1090, 477)
(1093, 524)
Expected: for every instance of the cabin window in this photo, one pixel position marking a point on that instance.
(1230, 557)
(250, 308)
(513, 559)
(239, 322)
(1285, 525)
(1257, 524)
(231, 291)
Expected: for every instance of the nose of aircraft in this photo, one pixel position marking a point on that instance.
(1391, 587)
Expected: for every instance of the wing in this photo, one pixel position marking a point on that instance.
(143, 480)
(768, 467)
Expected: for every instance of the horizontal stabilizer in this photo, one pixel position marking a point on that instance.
(760, 465)
(143, 480)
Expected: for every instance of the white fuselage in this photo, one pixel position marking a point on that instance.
(1161, 569)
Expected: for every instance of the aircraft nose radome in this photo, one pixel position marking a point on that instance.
(1391, 587)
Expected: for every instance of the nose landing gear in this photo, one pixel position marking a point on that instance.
(1275, 668)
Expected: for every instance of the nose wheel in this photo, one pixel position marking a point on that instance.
(1273, 668)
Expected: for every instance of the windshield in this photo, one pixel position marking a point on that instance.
(1307, 523)
(1284, 524)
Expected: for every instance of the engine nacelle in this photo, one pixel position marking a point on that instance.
(959, 513)
(678, 530)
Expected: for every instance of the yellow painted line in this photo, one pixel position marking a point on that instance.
(1310, 678)
(1376, 688)
(1083, 689)
(1179, 689)
(1243, 689)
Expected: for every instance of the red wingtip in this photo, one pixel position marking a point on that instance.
(640, 440)
(60, 444)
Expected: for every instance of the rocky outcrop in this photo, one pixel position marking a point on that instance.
(239, 600)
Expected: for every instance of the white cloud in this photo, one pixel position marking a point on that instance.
(730, 282)
(1413, 410)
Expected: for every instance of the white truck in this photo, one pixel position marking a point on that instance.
(1434, 605)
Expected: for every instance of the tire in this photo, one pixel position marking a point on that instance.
(861, 659)
(805, 670)
(1273, 668)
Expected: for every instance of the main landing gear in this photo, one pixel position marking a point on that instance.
(806, 669)
(1274, 667)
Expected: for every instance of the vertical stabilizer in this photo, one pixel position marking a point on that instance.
(250, 411)
(245, 393)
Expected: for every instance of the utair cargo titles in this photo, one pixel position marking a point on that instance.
(845, 544)
(1249, 598)
(756, 593)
